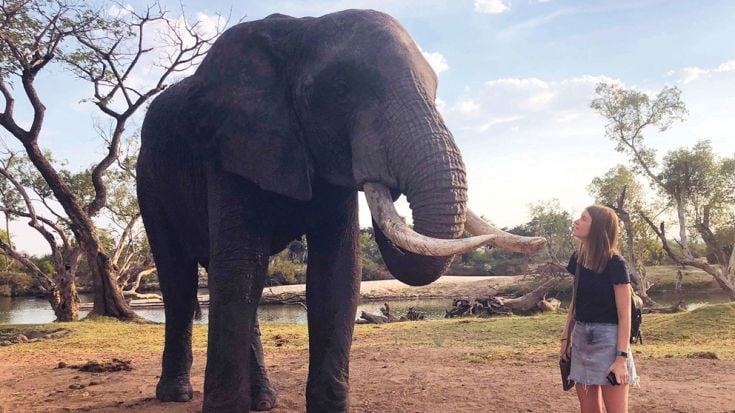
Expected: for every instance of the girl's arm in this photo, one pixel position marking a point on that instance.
(622, 301)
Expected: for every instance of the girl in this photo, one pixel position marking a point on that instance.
(600, 321)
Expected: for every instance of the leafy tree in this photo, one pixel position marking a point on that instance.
(105, 50)
(550, 221)
(619, 190)
(373, 267)
(693, 180)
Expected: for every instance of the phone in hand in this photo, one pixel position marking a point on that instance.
(611, 378)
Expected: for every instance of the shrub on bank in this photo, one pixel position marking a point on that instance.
(18, 284)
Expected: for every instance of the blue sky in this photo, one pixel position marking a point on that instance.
(515, 81)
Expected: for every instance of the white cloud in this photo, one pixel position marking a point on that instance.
(466, 106)
(436, 60)
(726, 67)
(440, 104)
(530, 139)
(491, 6)
(690, 74)
(116, 10)
(158, 40)
(497, 121)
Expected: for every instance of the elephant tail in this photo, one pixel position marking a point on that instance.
(197, 310)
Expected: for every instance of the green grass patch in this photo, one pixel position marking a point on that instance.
(664, 278)
(707, 329)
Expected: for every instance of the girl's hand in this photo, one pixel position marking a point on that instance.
(564, 349)
(620, 369)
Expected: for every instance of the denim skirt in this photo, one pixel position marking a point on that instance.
(594, 348)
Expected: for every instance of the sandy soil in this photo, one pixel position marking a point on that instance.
(437, 380)
(446, 286)
(403, 379)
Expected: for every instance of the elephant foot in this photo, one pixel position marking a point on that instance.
(263, 397)
(174, 390)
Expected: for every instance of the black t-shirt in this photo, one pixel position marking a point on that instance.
(595, 294)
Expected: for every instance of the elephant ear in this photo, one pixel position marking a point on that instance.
(256, 132)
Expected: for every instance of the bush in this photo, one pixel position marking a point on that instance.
(283, 271)
(17, 284)
(374, 271)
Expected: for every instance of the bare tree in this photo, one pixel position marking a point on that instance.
(60, 286)
(132, 255)
(688, 179)
(104, 49)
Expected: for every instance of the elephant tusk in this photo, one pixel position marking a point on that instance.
(501, 239)
(386, 216)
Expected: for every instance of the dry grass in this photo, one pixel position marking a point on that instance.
(707, 329)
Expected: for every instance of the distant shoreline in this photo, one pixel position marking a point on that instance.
(449, 286)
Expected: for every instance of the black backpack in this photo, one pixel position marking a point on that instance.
(636, 317)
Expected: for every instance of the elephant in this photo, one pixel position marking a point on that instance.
(282, 124)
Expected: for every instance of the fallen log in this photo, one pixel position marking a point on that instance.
(385, 310)
(373, 318)
(549, 305)
(284, 298)
(387, 317)
(494, 305)
(460, 307)
(528, 302)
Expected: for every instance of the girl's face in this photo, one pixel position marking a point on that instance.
(581, 226)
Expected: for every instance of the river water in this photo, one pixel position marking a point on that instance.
(31, 310)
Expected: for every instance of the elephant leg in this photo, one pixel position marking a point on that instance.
(332, 292)
(263, 395)
(177, 275)
(239, 251)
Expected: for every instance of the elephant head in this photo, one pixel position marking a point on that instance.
(347, 98)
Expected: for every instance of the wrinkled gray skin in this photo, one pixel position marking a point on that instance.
(271, 138)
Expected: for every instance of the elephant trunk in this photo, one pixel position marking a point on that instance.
(430, 172)
(428, 169)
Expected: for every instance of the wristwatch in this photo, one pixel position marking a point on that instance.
(621, 353)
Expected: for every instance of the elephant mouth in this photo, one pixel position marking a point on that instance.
(395, 229)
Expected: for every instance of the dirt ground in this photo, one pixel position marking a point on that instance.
(384, 377)
(398, 380)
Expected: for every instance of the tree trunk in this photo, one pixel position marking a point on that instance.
(637, 274)
(10, 242)
(683, 237)
(722, 279)
(731, 266)
(529, 301)
(108, 298)
(65, 295)
(678, 304)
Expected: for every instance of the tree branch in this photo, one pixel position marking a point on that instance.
(691, 261)
(31, 210)
(39, 275)
(58, 229)
(6, 118)
(124, 239)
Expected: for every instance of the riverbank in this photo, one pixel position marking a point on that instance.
(461, 365)
(382, 290)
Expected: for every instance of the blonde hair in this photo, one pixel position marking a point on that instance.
(602, 241)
